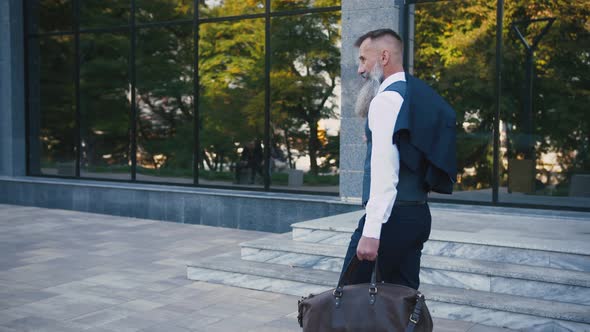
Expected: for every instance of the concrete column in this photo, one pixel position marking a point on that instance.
(12, 109)
(358, 17)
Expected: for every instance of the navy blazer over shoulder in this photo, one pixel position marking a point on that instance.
(425, 129)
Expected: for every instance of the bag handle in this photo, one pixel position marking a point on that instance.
(376, 276)
(353, 266)
(346, 277)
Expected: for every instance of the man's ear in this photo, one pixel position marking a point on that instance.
(385, 57)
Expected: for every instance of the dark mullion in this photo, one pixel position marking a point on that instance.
(133, 105)
(26, 84)
(196, 132)
(304, 11)
(114, 29)
(123, 28)
(162, 23)
(267, 59)
(496, 162)
(424, 1)
(77, 85)
(231, 18)
(50, 34)
(406, 34)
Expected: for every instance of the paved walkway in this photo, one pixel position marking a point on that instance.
(65, 271)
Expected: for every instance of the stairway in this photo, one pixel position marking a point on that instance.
(491, 266)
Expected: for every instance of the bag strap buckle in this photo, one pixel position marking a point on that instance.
(373, 290)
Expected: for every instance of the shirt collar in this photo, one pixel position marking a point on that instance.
(399, 76)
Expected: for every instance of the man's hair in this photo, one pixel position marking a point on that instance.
(376, 34)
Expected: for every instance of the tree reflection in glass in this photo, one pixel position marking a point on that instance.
(52, 106)
(231, 101)
(104, 105)
(165, 103)
(305, 79)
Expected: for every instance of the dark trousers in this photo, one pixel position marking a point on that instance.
(400, 247)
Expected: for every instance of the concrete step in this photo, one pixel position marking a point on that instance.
(507, 238)
(505, 278)
(503, 310)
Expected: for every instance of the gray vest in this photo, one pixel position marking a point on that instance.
(411, 184)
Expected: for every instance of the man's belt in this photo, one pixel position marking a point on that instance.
(408, 203)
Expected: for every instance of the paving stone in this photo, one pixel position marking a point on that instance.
(8, 315)
(482, 328)
(447, 325)
(159, 315)
(222, 310)
(128, 324)
(40, 324)
(228, 324)
(102, 274)
(140, 305)
(99, 317)
(99, 329)
(283, 324)
(168, 327)
(197, 321)
(14, 297)
(181, 292)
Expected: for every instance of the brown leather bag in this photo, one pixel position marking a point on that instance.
(374, 307)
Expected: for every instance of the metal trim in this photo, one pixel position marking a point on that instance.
(496, 129)
(267, 101)
(196, 82)
(132, 83)
(26, 92)
(77, 85)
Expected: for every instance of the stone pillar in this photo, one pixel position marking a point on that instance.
(12, 108)
(358, 17)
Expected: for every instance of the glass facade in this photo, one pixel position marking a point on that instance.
(188, 92)
(544, 124)
(164, 100)
(454, 53)
(103, 13)
(246, 94)
(232, 8)
(231, 98)
(104, 106)
(305, 98)
(52, 105)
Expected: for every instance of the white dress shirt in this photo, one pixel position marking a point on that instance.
(382, 116)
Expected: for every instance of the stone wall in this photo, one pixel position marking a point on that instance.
(261, 211)
(358, 17)
(12, 114)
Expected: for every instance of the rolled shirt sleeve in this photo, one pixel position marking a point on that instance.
(383, 113)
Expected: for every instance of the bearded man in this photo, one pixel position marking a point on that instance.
(400, 168)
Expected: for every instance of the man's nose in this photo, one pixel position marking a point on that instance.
(361, 70)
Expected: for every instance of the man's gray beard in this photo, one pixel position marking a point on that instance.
(369, 91)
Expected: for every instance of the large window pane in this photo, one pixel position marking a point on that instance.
(104, 13)
(231, 103)
(50, 15)
(52, 106)
(305, 84)
(164, 10)
(283, 5)
(165, 138)
(454, 53)
(222, 8)
(546, 146)
(104, 105)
